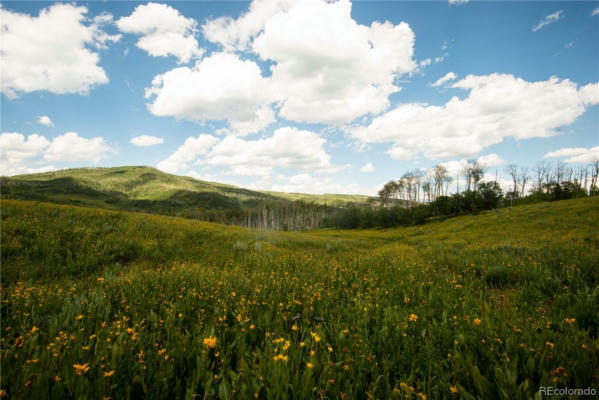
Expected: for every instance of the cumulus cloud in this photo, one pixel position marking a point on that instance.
(146, 140)
(164, 31)
(287, 148)
(575, 154)
(330, 69)
(51, 51)
(20, 155)
(497, 106)
(548, 19)
(45, 120)
(71, 147)
(595, 11)
(326, 67)
(219, 87)
(490, 160)
(368, 167)
(307, 183)
(190, 150)
(450, 76)
(236, 34)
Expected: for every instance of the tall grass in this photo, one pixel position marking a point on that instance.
(104, 304)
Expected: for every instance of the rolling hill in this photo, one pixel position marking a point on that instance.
(146, 189)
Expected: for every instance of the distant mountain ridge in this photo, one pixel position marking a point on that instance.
(146, 189)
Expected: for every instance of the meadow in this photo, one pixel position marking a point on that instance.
(107, 304)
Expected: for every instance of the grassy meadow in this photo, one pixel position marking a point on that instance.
(103, 304)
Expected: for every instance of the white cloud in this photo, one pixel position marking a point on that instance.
(236, 34)
(219, 87)
(146, 140)
(497, 106)
(576, 154)
(548, 19)
(15, 150)
(287, 148)
(457, 2)
(306, 183)
(569, 45)
(45, 120)
(19, 155)
(490, 160)
(330, 69)
(426, 62)
(50, 52)
(595, 11)
(368, 167)
(187, 152)
(450, 76)
(441, 58)
(164, 31)
(326, 68)
(71, 147)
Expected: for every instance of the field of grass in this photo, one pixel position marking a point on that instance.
(105, 304)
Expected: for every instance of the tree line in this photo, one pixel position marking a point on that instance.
(419, 196)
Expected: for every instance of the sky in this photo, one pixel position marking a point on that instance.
(306, 96)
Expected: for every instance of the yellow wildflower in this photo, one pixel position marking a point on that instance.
(81, 369)
(210, 342)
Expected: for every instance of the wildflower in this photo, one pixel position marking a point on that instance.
(315, 337)
(406, 300)
(108, 374)
(79, 317)
(413, 317)
(309, 365)
(550, 345)
(477, 321)
(453, 390)
(422, 396)
(294, 327)
(210, 342)
(35, 329)
(280, 357)
(100, 280)
(330, 349)
(57, 378)
(570, 320)
(302, 344)
(252, 326)
(180, 315)
(81, 369)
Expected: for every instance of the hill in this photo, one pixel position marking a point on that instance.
(98, 303)
(146, 189)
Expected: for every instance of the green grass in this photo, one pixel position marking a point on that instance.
(98, 303)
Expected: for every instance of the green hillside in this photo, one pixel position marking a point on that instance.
(98, 303)
(147, 189)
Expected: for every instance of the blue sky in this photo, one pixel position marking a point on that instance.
(298, 96)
